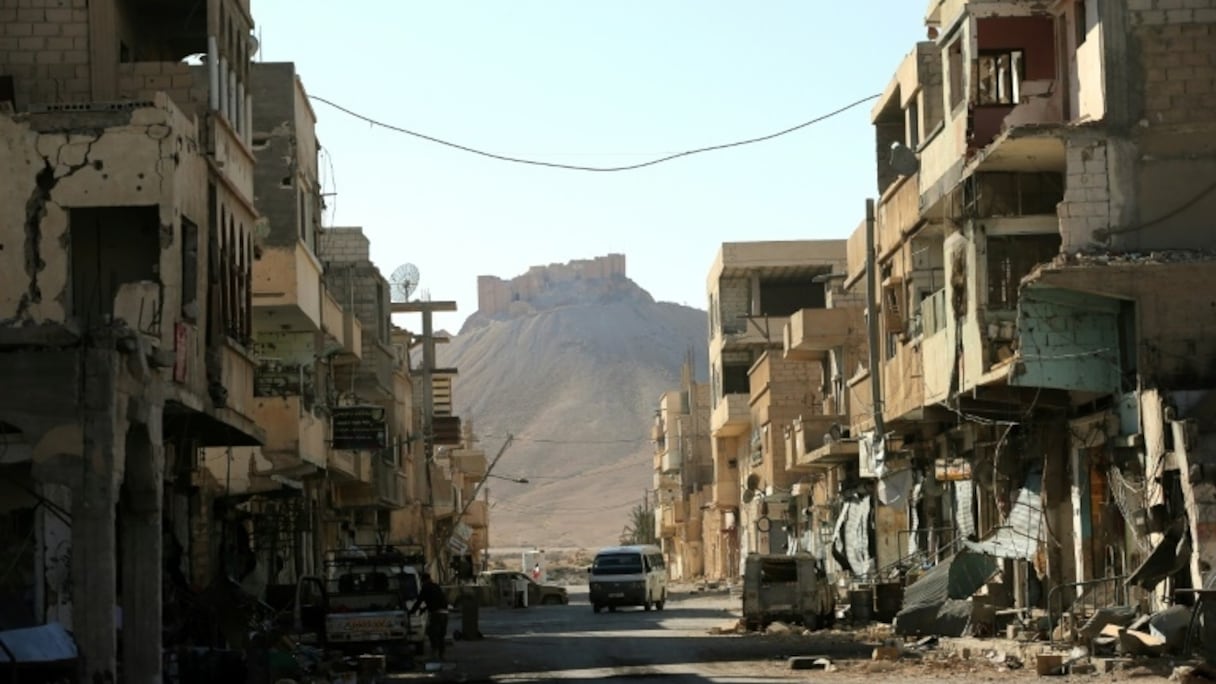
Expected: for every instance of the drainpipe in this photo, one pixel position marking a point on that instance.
(872, 320)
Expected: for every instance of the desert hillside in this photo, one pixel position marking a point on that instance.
(571, 362)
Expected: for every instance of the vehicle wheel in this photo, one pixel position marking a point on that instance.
(661, 602)
(551, 601)
(611, 609)
(595, 608)
(810, 621)
(646, 604)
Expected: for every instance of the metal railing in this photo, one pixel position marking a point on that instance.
(1087, 597)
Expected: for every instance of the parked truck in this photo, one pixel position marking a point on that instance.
(361, 604)
(788, 588)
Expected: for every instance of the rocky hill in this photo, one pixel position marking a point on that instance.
(573, 365)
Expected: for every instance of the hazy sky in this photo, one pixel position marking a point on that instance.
(597, 83)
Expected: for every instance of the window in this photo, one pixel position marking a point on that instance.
(735, 380)
(189, 270)
(109, 247)
(954, 58)
(913, 125)
(998, 77)
(1012, 258)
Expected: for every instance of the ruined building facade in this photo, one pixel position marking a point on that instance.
(177, 345)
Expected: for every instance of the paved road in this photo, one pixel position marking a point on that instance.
(546, 643)
(674, 645)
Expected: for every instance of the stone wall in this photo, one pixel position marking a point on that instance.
(495, 295)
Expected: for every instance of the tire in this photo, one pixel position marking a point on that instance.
(661, 602)
(811, 621)
(611, 609)
(646, 604)
(551, 601)
(595, 608)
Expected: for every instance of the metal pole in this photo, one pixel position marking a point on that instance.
(872, 321)
(481, 483)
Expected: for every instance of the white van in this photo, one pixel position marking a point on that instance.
(628, 576)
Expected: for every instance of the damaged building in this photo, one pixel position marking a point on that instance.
(125, 333)
(1041, 365)
(206, 393)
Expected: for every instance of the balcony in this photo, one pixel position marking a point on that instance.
(378, 485)
(757, 330)
(295, 436)
(287, 292)
(344, 464)
(671, 462)
(477, 515)
(236, 376)
(898, 212)
(471, 463)
(812, 333)
(809, 444)
(352, 332)
(861, 401)
(732, 416)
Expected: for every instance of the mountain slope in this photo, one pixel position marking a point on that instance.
(575, 373)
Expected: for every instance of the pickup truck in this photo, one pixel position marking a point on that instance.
(362, 604)
(499, 587)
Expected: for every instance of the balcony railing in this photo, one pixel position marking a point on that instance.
(812, 333)
(732, 416)
(287, 291)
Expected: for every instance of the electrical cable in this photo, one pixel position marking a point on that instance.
(598, 169)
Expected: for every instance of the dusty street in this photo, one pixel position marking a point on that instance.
(570, 642)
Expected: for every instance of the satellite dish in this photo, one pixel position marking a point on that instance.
(748, 495)
(753, 482)
(403, 282)
(903, 160)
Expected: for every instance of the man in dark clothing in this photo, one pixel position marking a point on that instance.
(432, 595)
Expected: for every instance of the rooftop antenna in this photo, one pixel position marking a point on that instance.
(403, 282)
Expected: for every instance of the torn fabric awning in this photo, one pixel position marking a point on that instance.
(1022, 532)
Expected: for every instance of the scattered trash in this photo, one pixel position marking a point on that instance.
(778, 628)
(1194, 674)
(811, 663)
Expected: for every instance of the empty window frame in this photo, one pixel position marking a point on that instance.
(998, 77)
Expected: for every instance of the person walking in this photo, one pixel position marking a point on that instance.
(436, 604)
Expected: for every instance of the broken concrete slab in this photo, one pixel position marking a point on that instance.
(886, 653)
(1111, 615)
(1139, 643)
(1171, 625)
(1048, 664)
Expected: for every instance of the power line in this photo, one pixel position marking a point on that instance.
(574, 167)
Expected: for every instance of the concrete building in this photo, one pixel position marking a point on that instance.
(275, 493)
(753, 290)
(1045, 182)
(683, 479)
(127, 317)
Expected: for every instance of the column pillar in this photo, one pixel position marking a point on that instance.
(94, 544)
(142, 548)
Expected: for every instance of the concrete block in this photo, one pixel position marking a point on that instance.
(1049, 664)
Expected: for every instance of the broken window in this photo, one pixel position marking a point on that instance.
(734, 379)
(1011, 258)
(954, 59)
(998, 77)
(189, 270)
(111, 246)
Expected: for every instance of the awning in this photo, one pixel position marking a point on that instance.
(44, 644)
(958, 577)
(851, 542)
(1022, 532)
(1170, 556)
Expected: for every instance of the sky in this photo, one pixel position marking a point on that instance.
(593, 83)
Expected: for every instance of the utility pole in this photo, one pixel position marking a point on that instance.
(872, 301)
(477, 490)
(427, 309)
